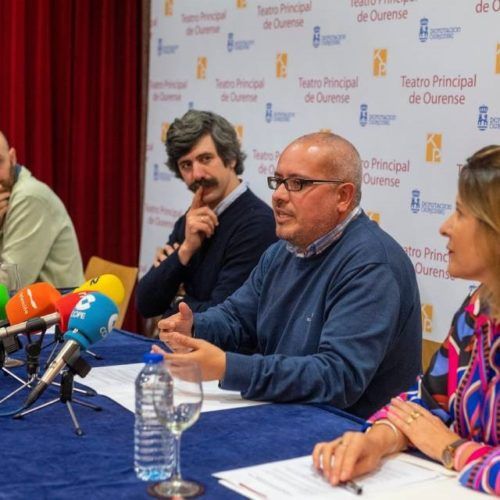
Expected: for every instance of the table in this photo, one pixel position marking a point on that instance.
(44, 459)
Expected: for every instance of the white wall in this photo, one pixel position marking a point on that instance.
(403, 80)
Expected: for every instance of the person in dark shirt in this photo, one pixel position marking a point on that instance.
(215, 245)
(330, 314)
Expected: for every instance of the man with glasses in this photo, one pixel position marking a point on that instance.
(215, 245)
(331, 314)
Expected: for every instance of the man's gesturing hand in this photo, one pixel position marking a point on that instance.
(181, 322)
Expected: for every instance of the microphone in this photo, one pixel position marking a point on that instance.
(107, 284)
(4, 298)
(31, 301)
(93, 317)
(11, 345)
(63, 308)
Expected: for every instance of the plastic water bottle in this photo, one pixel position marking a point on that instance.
(154, 451)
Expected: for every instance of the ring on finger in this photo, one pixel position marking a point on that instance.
(415, 414)
(409, 420)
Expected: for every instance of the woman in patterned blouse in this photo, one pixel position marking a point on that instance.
(452, 414)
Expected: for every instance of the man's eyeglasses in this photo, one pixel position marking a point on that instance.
(297, 184)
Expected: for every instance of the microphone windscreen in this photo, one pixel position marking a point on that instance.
(32, 301)
(65, 306)
(107, 284)
(4, 298)
(93, 317)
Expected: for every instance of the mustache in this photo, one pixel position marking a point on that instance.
(202, 183)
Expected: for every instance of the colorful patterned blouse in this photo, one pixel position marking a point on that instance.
(462, 388)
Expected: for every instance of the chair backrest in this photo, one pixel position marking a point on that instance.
(128, 275)
(429, 347)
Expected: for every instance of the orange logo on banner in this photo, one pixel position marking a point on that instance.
(497, 70)
(433, 148)
(164, 130)
(241, 4)
(380, 62)
(281, 64)
(201, 68)
(374, 216)
(427, 313)
(169, 7)
(239, 132)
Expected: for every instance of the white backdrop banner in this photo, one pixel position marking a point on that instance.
(413, 84)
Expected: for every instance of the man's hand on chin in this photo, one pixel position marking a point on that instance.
(201, 223)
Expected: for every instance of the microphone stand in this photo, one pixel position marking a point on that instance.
(33, 350)
(58, 340)
(33, 325)
(79, 367)
(6, 347)
(32, 364)
(94, 355)
(3, 356)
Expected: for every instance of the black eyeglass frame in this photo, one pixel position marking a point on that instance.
(302, 182)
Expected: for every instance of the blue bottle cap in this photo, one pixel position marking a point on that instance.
(152, 358)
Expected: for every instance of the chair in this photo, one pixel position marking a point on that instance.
(429, 347)
(128, 275)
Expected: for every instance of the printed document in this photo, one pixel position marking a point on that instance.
(297, 478)
(118, 383)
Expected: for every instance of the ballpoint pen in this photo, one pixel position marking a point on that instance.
(353, 487)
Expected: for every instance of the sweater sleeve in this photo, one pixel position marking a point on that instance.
(358, 329)
(158, 287)
(482, 473)
(231, 325)
(241, 255)
(28, 236)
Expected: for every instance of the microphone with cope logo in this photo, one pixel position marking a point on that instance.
(93, 317)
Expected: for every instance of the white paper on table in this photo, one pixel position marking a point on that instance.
(118, 383)
(296, 478)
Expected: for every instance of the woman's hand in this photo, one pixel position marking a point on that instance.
(353, 454)
(426, 431)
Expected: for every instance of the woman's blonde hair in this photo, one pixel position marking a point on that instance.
(479, 190)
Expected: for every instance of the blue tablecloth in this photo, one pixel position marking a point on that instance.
(43, 458)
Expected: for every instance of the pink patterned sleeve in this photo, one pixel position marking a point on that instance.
(482, 470)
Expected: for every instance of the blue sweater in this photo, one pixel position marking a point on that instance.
(343, 327)
(224, 261)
